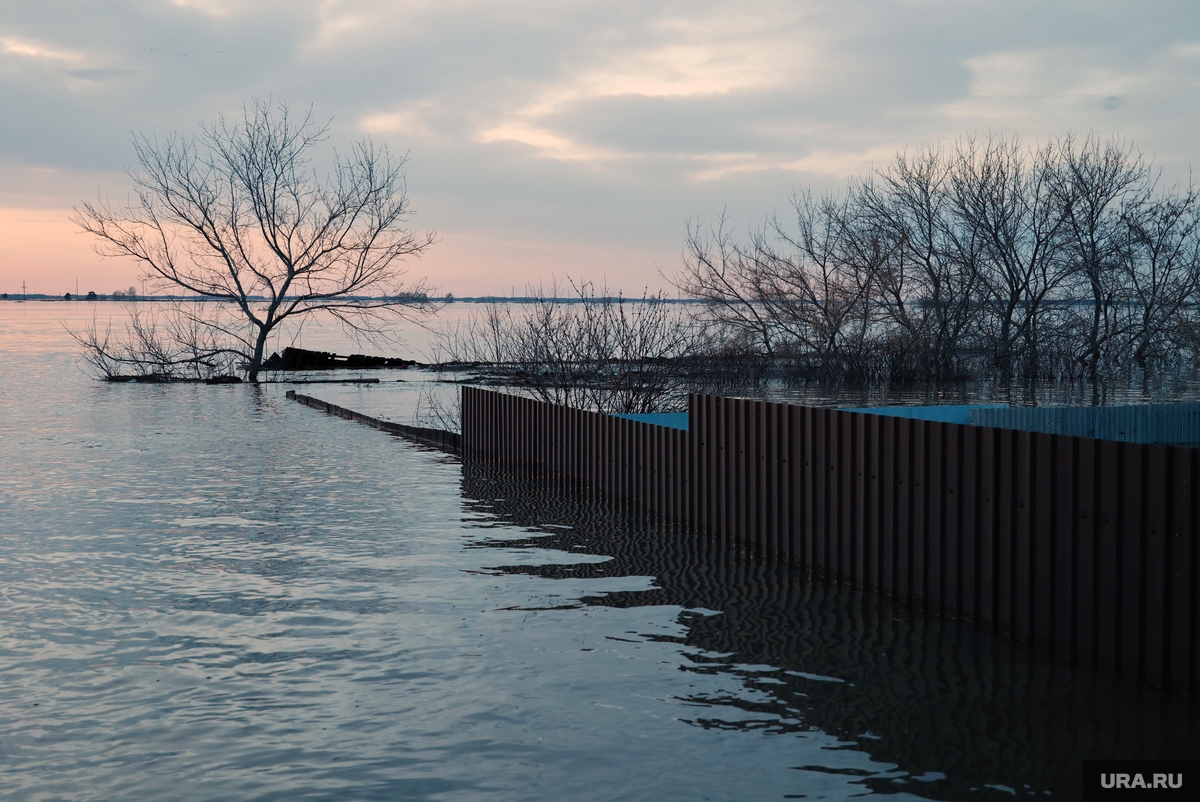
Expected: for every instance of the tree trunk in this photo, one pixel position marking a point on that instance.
(1094, 335)
(260, 345)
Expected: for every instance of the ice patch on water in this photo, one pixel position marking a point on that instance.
(192, 500)
(220, 520)
(817, 677)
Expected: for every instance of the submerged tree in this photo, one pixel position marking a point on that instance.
(589, 350)
(988, 258)
(236, 215)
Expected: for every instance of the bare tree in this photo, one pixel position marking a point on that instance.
(1005, 196)
(236, 214)
(987, 258)
(157, 345)
(930, 282)
(1159, 264)
(589, 350)
(1096, 182)
(718, 271)
(799, 292)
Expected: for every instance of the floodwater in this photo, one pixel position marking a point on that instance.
(215, 593)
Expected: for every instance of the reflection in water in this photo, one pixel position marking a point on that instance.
(955, 707)
(1132, 388)
(217, 590)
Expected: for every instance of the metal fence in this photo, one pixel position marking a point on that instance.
(1164, 424)
(436, 438)
(1087, 548)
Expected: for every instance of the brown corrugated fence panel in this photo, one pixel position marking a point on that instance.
(698, 436)
(781, 482)
(612, 437)
(1154, 576)
(674, 508)
(915, 554)
(744, 448)
(1086, 547)
(636, 464)
(1193, 581)
(904, 508)
(1022, 509)
(934, 502)
(831, 535)
(590, 454)
(649, 467)
(621, 461)
(685, 467)
(766, 462)
(1133, 538)
(729, 451)
(872, 503)
(858, 495)
(968, 533)
(716, 470)
(628, 465)
(843, 545)
(672, 489)
(767, 495)
(797, 473)
(735, 452)
(1064, 469)
(951, 516)
(650, 479)
(653, 482)
(765, 469)
(1042, 557)
(1109, 466)
(887, 507)
(1005, 531)
(659, 479)
(820, 488)
(604, 455)
(1181, 589)
(985, 554)
(775, 466)
(572, 449)
(1087, 519)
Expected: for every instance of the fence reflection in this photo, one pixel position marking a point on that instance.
(932, 695)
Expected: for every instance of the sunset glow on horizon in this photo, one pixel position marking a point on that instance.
(549, 141)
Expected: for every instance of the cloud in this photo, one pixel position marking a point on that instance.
(11, 45)
(727, 51)
(593, 127)
(101, 74)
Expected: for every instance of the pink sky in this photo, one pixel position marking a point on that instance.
(44, 249)
(572, 139)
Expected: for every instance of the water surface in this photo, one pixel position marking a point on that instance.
(214, 593)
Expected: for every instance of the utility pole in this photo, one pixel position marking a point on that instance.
(23, 293)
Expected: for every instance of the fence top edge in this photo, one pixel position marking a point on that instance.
(694, 400)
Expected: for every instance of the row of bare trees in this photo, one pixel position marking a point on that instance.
(987, 258)
(984, 259)
(581, 346)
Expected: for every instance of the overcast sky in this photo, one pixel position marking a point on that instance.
(571, 138)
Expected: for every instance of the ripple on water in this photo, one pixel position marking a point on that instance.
(213, 593)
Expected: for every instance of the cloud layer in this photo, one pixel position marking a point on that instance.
(560, 137)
